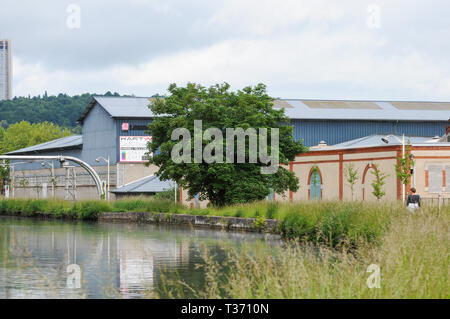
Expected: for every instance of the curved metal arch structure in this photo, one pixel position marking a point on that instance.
(61, 159)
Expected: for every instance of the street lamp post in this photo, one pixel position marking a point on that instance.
(403, 156)
(402, 141)
(107, 183)
(12, 180)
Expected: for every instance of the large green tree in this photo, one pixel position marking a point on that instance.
(24, 134)
(222, 182)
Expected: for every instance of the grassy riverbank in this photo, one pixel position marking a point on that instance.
(83, 210)
(330, 223)
(413, 258)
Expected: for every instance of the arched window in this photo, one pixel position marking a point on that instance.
(366, 187)
(315, 183)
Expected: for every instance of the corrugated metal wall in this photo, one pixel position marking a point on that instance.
(331, 131)
(338, 131)
(99, 136)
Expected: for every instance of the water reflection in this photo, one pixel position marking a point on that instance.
(115, 260)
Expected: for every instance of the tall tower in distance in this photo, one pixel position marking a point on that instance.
(5, 70)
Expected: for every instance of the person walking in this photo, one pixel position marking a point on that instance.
(413, 200)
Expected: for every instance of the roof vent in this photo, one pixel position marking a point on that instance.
(322, 144)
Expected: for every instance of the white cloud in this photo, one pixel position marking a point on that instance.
(301, 60)
(263, 17)
(34, 79)
(28, 78)
(312, 49)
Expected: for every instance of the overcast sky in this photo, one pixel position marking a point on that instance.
(384, 50)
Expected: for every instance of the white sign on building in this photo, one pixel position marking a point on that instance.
(133, 148)
(44, 190)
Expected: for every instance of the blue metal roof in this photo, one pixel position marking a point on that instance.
(137, 107)
(368, 110)
(127, 107)
(149, 184)
(73, 141)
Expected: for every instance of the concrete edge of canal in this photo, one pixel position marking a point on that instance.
(204, 221)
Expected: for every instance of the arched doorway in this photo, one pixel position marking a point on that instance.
(367, 180)
(315, 184)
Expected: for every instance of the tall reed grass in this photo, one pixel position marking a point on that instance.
(332, 223)
(338, 223)
(413, 257)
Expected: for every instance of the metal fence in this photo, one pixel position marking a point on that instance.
(434, 201)
(82, 179)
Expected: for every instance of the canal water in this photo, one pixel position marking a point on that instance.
(61, 259)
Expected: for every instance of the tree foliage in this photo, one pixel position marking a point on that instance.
(404, 166)
(217, 107)
(351, 175)
(379, 182)
(63, 110)
(24, 134)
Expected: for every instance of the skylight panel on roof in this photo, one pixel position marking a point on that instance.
(354, 105)
(282, 103)
(429, 106)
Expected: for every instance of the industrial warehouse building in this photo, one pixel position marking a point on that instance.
(114, 128)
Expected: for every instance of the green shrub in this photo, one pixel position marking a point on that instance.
(160, 206)
(166, 195)
(72, 212)
(33, 206)
(10, 206)
(92, 209)
(259, 222)
(297, 224)
(57, 208)
(3, 206)
(239, 213)
(129, 205)
(25, 207)
(271, 211)
(336, 223)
